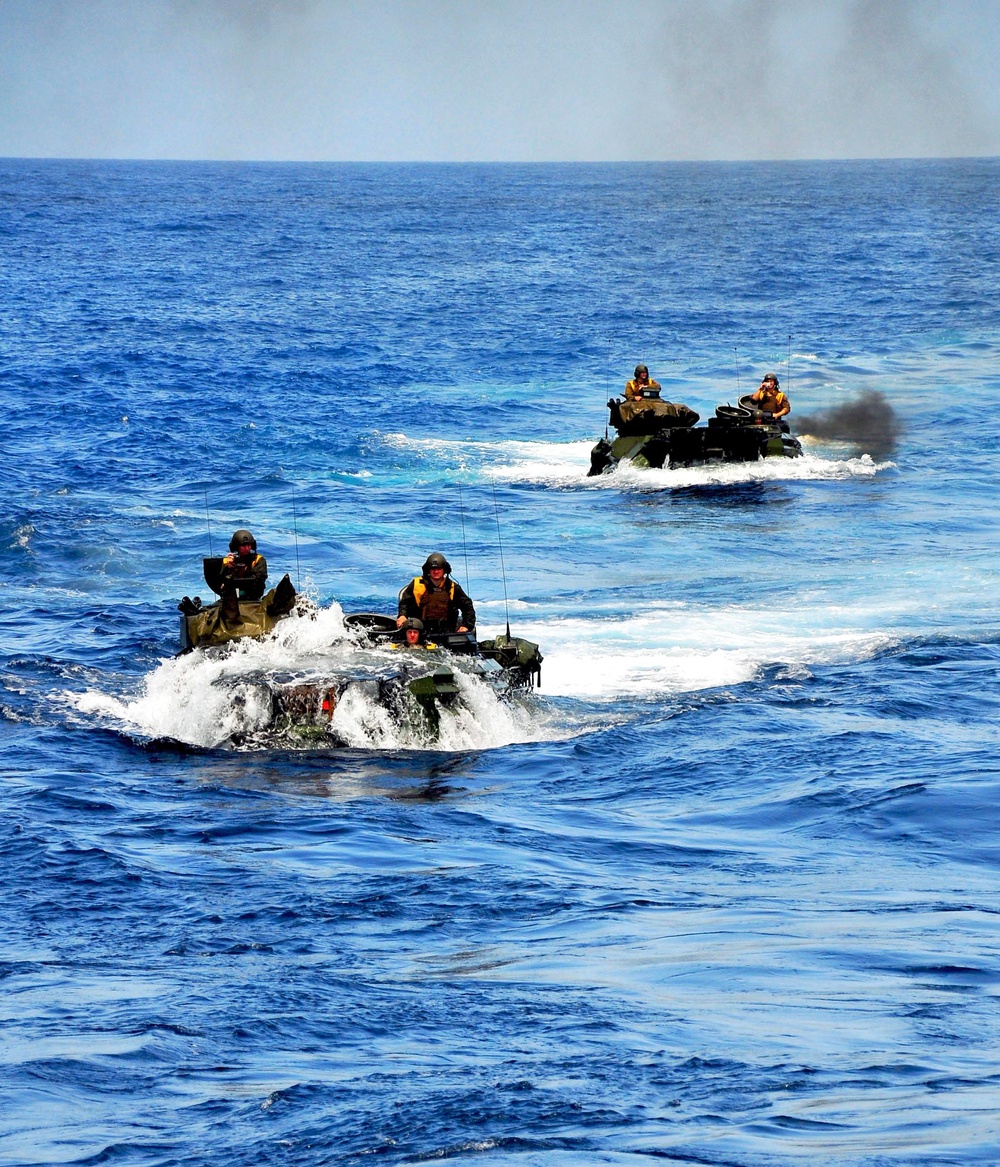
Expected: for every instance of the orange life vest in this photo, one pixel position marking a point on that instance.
(772, 402)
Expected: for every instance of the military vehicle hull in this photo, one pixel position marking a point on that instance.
(408, 685)
(654, 438)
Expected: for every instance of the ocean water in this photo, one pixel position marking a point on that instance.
(724, 891)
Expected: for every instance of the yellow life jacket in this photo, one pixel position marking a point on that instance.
(433, 605)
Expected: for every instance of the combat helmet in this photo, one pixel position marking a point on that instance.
(241, 537)
(436, 559)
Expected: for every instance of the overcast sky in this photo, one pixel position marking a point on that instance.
(499, 80)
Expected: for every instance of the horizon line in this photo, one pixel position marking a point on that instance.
(500, 161)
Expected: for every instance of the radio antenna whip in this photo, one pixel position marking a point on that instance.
(607, 384)
(503, 573)
(295, 533)
(788, 366)
(208, 521)
(737, 352)
(465, 548)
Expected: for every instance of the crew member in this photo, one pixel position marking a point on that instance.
(436, 599)
(244, 572)
(640, 381)
(413, 631)
(770, 398)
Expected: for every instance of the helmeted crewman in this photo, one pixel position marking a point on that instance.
(243, 572)
(770, 398)
(641, 385)
(413, 636)
(436, 599)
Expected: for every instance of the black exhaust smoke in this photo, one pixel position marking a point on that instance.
(869, 421)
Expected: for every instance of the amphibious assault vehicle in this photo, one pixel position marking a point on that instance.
(408, 684)
(653, 433)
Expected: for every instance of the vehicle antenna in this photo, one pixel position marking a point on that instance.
(737, 352)
(788, 366)
(295, 533)
(607, 384)
(465, 549)
(503, 573)
(208, 520)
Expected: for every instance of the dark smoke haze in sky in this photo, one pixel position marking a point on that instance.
(802, 79)
(868, 421)
(517, 80)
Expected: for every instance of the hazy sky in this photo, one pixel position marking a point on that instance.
(524, 80)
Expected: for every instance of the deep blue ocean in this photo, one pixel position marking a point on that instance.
(724, 891)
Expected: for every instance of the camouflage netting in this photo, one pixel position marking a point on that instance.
(219, 623)
(514, 650)
(679, 414)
